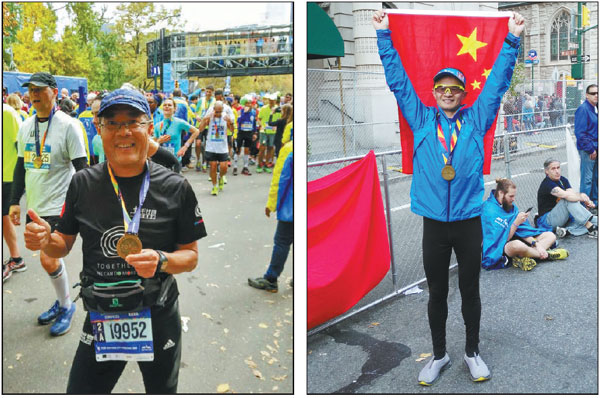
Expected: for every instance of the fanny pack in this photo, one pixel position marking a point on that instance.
(124, 296)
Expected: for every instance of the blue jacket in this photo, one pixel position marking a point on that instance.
(431, 195)
(281, 193)
(586, 127)
(495, 223)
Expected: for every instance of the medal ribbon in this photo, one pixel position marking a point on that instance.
(39, 146)
(453, 139)
(216, 129)
(163, 130)
(131, 225)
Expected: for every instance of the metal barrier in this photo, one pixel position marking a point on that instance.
(347, 134)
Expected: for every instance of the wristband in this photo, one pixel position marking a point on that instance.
(532, 244)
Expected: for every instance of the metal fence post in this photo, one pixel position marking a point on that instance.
(389, 220)
(507, 154)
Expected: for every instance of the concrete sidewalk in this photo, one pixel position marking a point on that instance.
(539, 334)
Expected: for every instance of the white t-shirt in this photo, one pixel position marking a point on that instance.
(46, 187)
(217, 136)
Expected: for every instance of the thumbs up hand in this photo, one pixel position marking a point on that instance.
(37, 232)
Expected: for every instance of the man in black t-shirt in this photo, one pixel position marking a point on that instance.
(560, 206)
(144, 203)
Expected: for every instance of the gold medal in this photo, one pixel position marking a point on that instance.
(128, 244)
(448, 172)
(37, 162)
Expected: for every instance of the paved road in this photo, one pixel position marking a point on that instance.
(538, 335)
(233, 329)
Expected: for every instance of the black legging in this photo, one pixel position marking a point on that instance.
(439, 238)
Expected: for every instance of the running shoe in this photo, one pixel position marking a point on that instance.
(264, 284)
(235, 171)
(259, 170)
(478, 369)
(561, 232)
(9, 266)
(198, 166)
(525, 263)
(184, 168)
(558, 254)
(221, 183)
(267, 170)
(270, 165)
(252, 162)
(593, 233)
(246, 171)
(215, 191)
(63, 321)
(49, 315)
(204, 168)
(431, 372)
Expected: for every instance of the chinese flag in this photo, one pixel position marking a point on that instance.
(348, 251)
(429, 42)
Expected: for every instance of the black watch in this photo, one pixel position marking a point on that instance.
(162, 262)
(533, 242)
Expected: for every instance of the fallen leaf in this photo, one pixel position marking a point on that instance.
(275, 388)
(372, 325)
(34, 255)
(276, 343)
(270, 301)
(289, 313)
(226, 330)
(263, 325)
(426, 355)
(228, 266)
(286, 321)
(8, 291)
(10, 366)
(222, 388)
(548, 318)
(223, 349)
(251, 363)
(279, 378)
(272, 361)
(257, 373)
(212, 285)
(277, 333)
(292, 351)
(279, 324)
(271, 349)
(265, 354)
(19, 355)
(207, 316)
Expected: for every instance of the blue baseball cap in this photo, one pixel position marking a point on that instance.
(453, 72)
(124, 96)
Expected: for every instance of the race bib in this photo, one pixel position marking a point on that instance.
(123, 337)
(169, 146)
(269, 130)
(31, 161)
(217, 134)
(246, 126)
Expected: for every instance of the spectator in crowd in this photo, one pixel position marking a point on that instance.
(586, 131)
(507, 235)
(559, 205)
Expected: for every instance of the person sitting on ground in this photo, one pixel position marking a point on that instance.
(560, 207)
(508, 237)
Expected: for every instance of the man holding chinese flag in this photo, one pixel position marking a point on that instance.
(447, 150)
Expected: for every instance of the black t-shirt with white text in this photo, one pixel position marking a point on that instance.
(547, 201)
(170, 215)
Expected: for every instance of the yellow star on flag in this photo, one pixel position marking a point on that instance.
(476, 85)
(470, 44)
(486, 72)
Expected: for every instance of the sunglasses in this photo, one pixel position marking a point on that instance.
(444, 89)
(595, 93)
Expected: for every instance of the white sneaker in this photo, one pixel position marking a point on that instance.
(561, 232)
(430, 373)
(478, 368)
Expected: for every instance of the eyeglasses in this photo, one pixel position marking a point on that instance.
(132, 125)
(596, 93)
(444, 89)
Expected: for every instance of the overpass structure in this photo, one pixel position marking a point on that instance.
(241, 51)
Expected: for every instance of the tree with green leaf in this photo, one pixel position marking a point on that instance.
(35, 45)
(11, 24)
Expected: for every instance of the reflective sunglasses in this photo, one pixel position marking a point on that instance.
(444, 89)
(595, 93)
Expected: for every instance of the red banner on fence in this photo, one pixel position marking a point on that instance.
(428, 43)
(348, 247)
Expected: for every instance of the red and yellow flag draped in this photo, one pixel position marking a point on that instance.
(429, 42)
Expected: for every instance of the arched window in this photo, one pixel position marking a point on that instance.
(560, 36)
